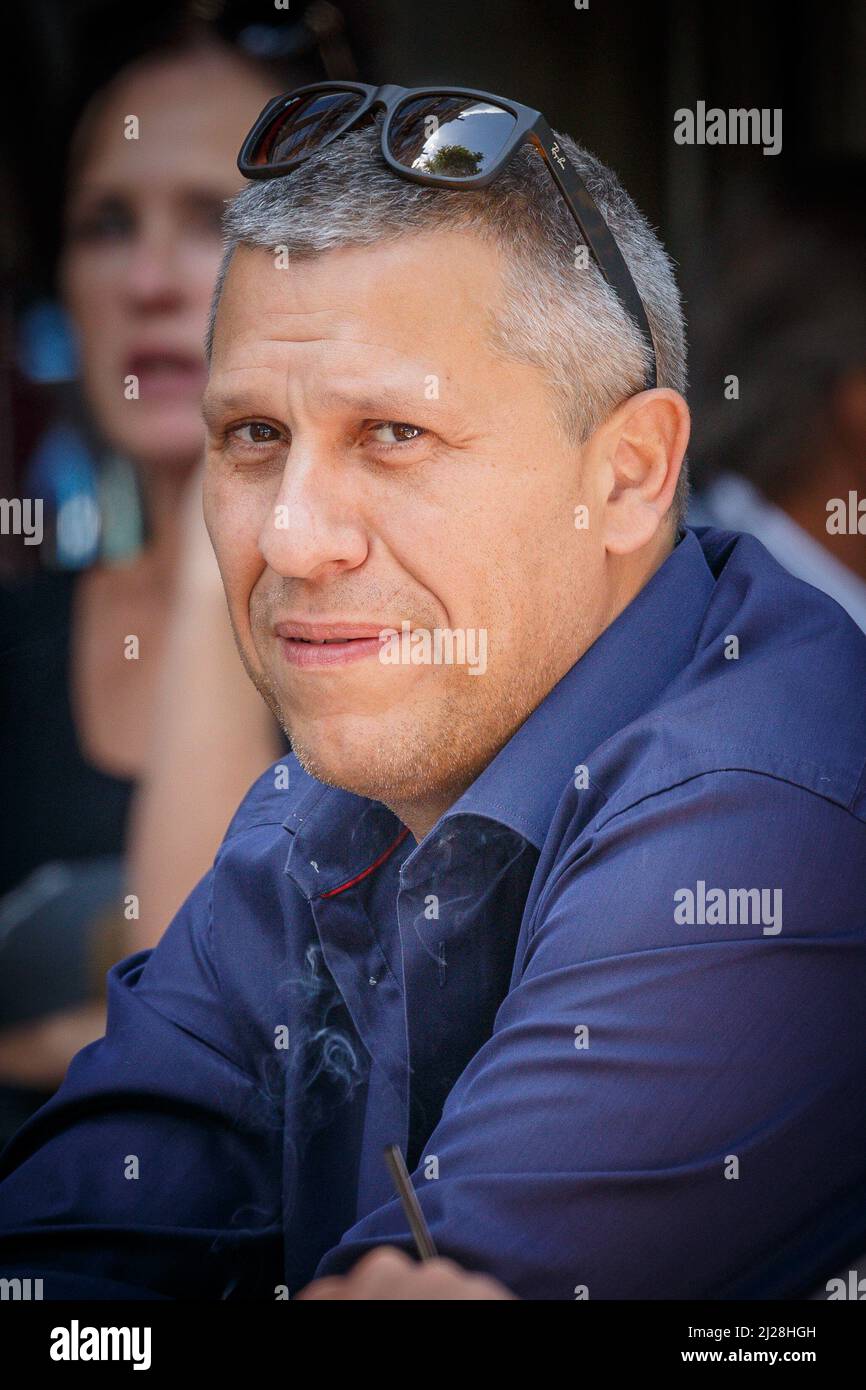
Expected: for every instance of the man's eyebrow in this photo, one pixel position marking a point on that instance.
(214, 404)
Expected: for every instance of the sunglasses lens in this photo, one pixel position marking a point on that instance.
(455, 136)
(303, 125)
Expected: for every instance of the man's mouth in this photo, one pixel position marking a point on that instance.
(311, 646)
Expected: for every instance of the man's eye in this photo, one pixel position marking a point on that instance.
(257, 432)
(396, 432)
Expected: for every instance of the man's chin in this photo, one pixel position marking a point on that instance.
(353, 764)
(342, 750)
(369, 758)
(397, 753)
(334, 772)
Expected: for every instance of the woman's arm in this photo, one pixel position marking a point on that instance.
(212, 736)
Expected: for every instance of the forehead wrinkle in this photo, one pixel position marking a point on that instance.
(348, 385)
(270, 327)
(345, 333)
(363, 396)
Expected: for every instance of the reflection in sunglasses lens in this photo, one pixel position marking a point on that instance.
(302, 127)
(457, 137)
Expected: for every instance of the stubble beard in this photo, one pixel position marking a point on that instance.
(439, 750)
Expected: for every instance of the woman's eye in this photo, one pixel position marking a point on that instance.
(396, 432)
(256, 433)
(102, 223)
(205, 216)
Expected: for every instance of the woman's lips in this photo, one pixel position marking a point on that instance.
(167, 375)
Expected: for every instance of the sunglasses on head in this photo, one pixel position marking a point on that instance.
(447, 137)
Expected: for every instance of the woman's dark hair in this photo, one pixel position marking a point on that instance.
(279, 67)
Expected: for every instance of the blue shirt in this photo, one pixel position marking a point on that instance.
(611, 1006)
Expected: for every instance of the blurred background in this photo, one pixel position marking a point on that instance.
(108, 251)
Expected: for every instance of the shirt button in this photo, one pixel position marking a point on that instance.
(373, 980)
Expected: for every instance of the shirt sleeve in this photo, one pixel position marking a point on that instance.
(155, 1169)
(668, 1107)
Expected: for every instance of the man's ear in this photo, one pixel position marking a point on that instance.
(641, 450)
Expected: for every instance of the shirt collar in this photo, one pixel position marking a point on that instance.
(339, 837)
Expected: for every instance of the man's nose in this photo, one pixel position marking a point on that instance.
(313, 528)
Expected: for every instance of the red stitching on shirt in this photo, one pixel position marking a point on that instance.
(375, 864)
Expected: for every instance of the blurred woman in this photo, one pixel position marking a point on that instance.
(127, 706)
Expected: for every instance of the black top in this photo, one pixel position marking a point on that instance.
(56, 805)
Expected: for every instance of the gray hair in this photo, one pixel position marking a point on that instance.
(565, 320)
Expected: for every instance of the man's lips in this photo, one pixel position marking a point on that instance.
(310, 645)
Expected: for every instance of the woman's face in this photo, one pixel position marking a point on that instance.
(142, 245)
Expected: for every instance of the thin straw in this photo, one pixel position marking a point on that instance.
(411, 1206)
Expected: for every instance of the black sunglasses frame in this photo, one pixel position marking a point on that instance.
(529, 125)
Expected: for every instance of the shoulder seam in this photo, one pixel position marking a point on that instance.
(600, 821)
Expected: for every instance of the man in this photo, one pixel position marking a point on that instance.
(573, 913)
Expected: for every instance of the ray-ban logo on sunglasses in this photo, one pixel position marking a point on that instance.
(555, 154)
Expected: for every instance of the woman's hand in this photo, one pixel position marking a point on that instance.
(38, 1053)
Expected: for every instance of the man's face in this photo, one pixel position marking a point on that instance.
(371, 462)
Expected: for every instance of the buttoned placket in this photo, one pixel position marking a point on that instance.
(459, 907)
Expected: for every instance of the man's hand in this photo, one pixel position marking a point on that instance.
(387, 1273)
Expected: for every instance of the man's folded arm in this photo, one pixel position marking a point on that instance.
(155, 1170)
(668, 1107)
